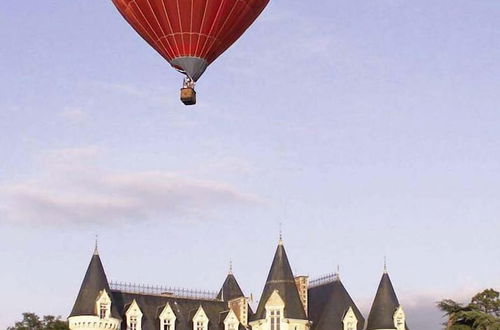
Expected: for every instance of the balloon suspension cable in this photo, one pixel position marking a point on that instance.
(188, 82)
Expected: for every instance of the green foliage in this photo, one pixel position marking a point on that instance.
(487, 301)
(482, 313)
(31, 321)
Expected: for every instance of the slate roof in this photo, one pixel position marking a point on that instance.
(328, 304)
(94, 281)
(281, 278)
(184, 309)
(384, 306)
(230, 289)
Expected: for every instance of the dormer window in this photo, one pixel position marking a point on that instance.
(167, 318)
(274, 310)
(231, 321)
(133, 323)
(350, 320)
(134, 316)
(399, 319)
(350, 326)
(275, 319)
(103, 305)
(200, 320)
(167, 324)
(103, 310)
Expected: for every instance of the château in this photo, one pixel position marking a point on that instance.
(287, 302)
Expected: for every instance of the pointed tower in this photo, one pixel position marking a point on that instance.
(236, 300)
(280, 301)
(94, 307)
(230, 288)
(386, 312)
(332, 308)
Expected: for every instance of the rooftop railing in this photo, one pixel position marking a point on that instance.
(159, 290)
(325, 279)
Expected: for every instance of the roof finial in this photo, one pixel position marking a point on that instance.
(385, 264)
(230, 266)
(337, 275)
(96, 250)
(280, 242)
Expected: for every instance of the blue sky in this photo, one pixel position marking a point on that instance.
(368, 128)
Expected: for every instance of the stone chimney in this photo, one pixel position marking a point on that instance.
(240, 308)
(302, 283)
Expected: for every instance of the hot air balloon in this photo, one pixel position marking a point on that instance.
(190, 34)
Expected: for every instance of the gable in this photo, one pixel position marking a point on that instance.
(134, 310)
(275, 300)
(231, 318)
(200, 315)
(167, 313)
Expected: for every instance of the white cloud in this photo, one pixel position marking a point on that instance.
(69, 191)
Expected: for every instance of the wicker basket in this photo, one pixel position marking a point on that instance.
(188, 96)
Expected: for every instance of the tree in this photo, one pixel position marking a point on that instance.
(488, 302)
(31, 321)
(482, 313)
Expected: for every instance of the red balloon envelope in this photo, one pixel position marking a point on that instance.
(190, 34)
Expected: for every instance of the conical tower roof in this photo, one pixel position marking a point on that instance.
(93, 283)
(384, 306)
(281, 278)
(338, 302)
(230, 289)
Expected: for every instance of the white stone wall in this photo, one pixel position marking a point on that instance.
(93, 322)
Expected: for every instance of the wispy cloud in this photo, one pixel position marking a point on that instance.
(70, 192)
